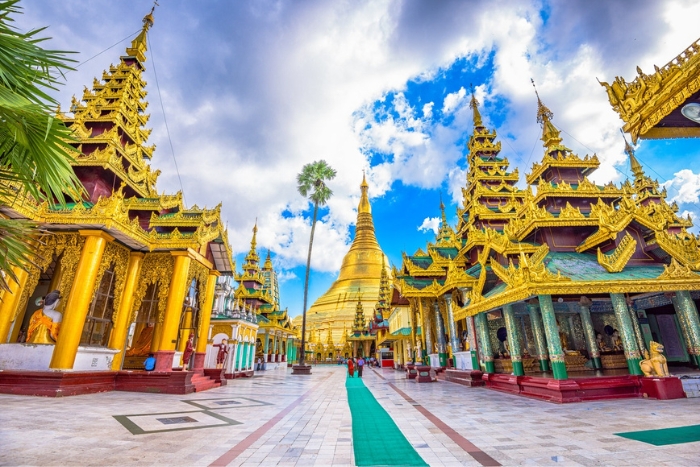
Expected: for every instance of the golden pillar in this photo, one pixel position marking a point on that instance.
(173, 309)
(204, 319)
(117, 340)
(78, 302)
(10, 301)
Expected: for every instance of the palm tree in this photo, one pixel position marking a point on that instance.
(35, 149)
(311, 183)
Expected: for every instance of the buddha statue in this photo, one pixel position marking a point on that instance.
(617, 341)
(45, 323)
(564, 340)
(600, 342)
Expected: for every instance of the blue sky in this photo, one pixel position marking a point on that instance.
(253, 90)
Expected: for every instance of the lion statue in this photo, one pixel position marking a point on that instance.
(656, 364)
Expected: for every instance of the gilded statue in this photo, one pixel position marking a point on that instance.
(45, 323)
(654, 365)
(600, 342)
(563, 338)
(617, 341)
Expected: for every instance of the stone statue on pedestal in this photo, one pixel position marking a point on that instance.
(45, 323)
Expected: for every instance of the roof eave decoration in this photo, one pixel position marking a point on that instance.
(616, 261)
(648, 99)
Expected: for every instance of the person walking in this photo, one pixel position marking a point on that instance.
(360, 365)
(351, 368)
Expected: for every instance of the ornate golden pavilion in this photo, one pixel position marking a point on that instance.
(136, 269)
(258, 289)
(359, 280)
(565, 276)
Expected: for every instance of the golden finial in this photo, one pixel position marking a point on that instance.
(543, 113)
(550, 134)
(636, 167)
(364, 206)
(138, 45)
(474, 105)
(442, 211)
(148, 19)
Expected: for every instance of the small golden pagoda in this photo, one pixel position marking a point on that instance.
(259, 291)
(360, 276)
(136, 270)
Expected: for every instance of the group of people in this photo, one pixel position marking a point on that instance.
(357, 364)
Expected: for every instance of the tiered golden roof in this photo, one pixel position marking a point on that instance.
(490, 197)
(112, 162)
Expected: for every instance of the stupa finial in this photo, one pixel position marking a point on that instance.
(636, 167)
(474, 105)
(550, 135)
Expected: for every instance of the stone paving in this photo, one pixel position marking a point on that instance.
(275, 418)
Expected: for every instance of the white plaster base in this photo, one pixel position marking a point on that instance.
(177, 359)
(94, 359)
(35, 357)
(434, 360)
(464, 360)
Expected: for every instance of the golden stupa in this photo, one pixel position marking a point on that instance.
(359, 279)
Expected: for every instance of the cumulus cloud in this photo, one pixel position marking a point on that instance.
(684, 187)
(254, 91)
(453, 100)
(430, 223)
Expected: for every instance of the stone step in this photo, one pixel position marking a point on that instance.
(203, 383)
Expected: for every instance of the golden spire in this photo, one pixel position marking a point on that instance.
(550, 135)
(364, 206)
(364, 228)
(253, 242)
(442, 211)
(636, 167)
(268, 261)
(445, 235)
(252, 259)
(474, 105)
(139, 45)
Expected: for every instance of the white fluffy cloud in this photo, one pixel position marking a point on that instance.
(253, 91)
(430, 223)
(684, 187)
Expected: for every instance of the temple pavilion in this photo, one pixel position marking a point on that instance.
(136, 269)
(258, 291)
(558, 290)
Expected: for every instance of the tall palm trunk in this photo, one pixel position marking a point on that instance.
(302, 359)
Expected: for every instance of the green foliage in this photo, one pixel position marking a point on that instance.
(311, 182)
(35, 149)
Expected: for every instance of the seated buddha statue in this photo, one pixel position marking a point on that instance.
(45, 323)
(617, 341)
(600, 342)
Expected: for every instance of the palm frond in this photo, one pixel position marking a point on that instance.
(35, 147)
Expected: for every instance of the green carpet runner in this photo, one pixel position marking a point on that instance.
(664, 436)
(376, 438)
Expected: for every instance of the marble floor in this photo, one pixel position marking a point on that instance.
(275, 418)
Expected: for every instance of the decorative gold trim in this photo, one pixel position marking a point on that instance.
(616, 261)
